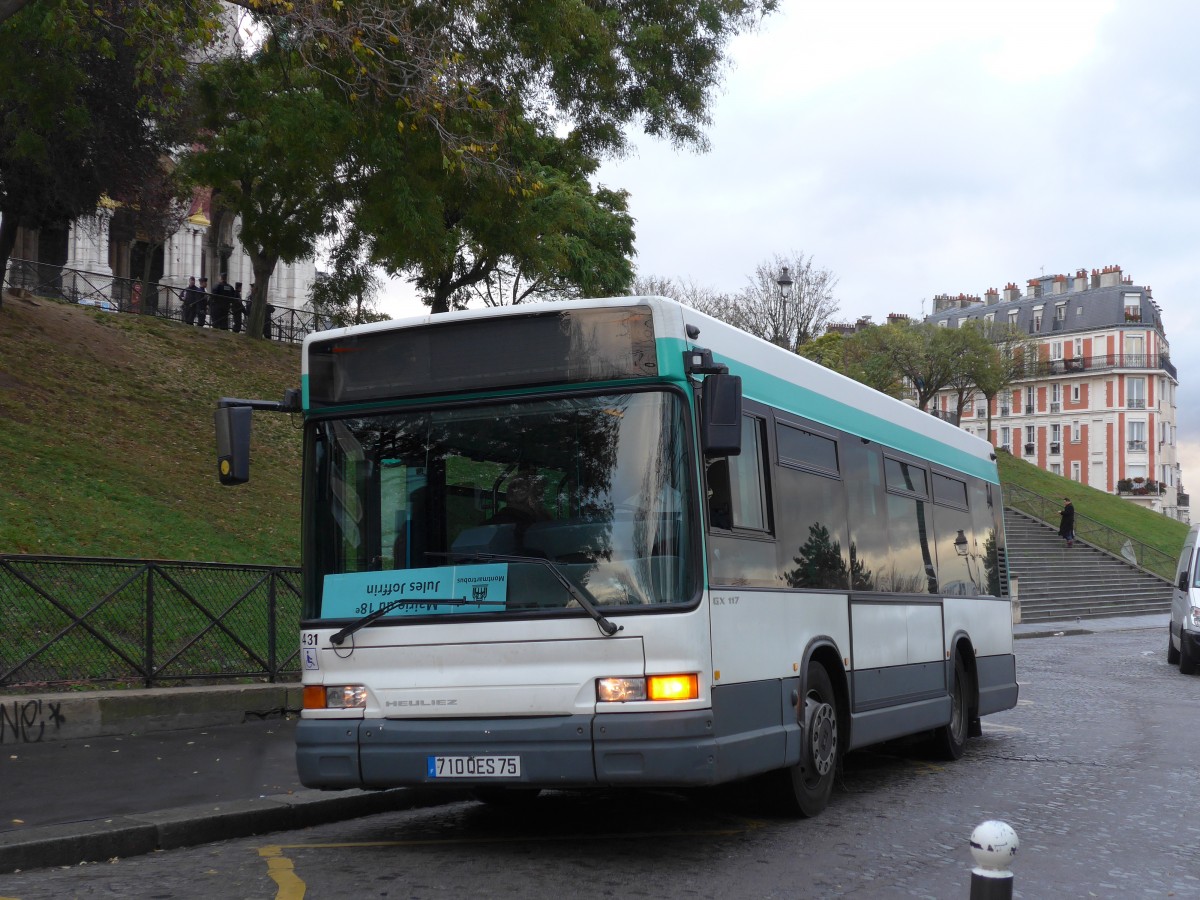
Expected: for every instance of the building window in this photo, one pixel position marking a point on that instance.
(1037, 320)
(1012, 317)
(1076, 432)
(989, 317)
(1055, 468)
(1056, 349)
(1137, 436)
(1075, 470)
(1074, 393)
(1060, 313)
(1135, 393)
(1005, 439)
(1029, 401)
(1133, 307)
(1078, 354)
(1055, 397)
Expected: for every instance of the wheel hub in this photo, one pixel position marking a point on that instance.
(822, 735)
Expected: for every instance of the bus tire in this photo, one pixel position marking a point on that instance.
(950, 740)
(806, 787)
(1172, 653)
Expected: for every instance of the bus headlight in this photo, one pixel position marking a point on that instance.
(1196, 617)
(340, 696)
(654, 687)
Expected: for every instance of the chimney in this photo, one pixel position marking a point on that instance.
(1033, 288)
(991, 297)
(1081, 280)
(1011, 292)
(1110, 276)
(1060, 284)
(896, 317)
(1095, 278)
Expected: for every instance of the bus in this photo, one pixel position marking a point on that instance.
(615, 543)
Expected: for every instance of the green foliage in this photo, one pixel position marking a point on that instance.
(90, 97)
(275, 143)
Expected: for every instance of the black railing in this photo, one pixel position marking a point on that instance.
(1093, 363)
(112, 294)
(83, 620)
(1092, 532)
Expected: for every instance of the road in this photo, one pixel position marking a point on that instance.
(1094, 769)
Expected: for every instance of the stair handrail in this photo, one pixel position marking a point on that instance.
(1088, 530)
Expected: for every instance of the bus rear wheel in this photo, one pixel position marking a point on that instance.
(950, 740)
(806, 787)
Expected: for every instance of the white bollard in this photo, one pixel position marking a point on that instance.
(993, 844)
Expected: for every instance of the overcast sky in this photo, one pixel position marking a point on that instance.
(938, 146)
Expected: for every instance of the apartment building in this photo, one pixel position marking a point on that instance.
(1098, 404)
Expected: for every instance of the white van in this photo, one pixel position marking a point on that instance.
(1183, 647)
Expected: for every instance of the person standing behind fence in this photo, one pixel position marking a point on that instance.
(222, 298)
(193, 302)
(202, 309)
(1066, 527)
(238, 308)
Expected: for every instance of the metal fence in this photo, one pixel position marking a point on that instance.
(124, 295)
(1090, 531)
(82, 620)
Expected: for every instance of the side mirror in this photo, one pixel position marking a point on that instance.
(721, 415)
(233, 443)
(1183, 580)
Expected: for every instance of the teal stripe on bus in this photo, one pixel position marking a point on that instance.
(794, 398)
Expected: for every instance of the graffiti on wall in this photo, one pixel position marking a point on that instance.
(29, 721)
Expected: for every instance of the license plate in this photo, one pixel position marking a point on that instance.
(473, 766)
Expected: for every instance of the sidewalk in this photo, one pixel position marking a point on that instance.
(1092, 626)
(169, 779)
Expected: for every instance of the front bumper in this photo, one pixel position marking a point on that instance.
(663, 749)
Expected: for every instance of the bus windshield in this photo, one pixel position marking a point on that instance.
(413, 508)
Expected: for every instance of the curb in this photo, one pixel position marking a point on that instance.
(188, 826)
(51, 716)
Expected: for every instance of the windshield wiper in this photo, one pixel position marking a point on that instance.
(339, 638)
(577, 594)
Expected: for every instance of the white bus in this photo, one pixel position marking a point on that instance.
(620, 543)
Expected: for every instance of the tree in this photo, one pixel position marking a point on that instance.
(788, 315)
(698, 297)
(86, 108)
(540, 230)
(923, 354)
(155, 209)
(967, 346)
(1002, 363)
(346, 296)
(274, 149)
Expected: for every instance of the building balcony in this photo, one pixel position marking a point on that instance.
(950, 417)
(1078, 364)
(1055, 448)
(981, 411)
(1135, 403)
(1029, 409)
(1003, 412)
(1030, 449)
(1055, 407)
(1137, 445)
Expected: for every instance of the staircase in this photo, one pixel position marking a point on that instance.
(1081, 582)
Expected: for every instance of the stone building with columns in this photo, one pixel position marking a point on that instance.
(101, 253)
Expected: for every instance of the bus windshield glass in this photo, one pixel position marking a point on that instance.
(430, 511)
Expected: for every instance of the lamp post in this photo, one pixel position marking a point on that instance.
(782, 317)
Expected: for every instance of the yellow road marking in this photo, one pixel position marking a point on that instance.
(282, 871)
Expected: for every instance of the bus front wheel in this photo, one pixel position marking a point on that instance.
(808, 785)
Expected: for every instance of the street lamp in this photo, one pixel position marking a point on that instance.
(785, 284)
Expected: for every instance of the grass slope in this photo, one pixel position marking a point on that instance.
(1121, 515)
(107, 445)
